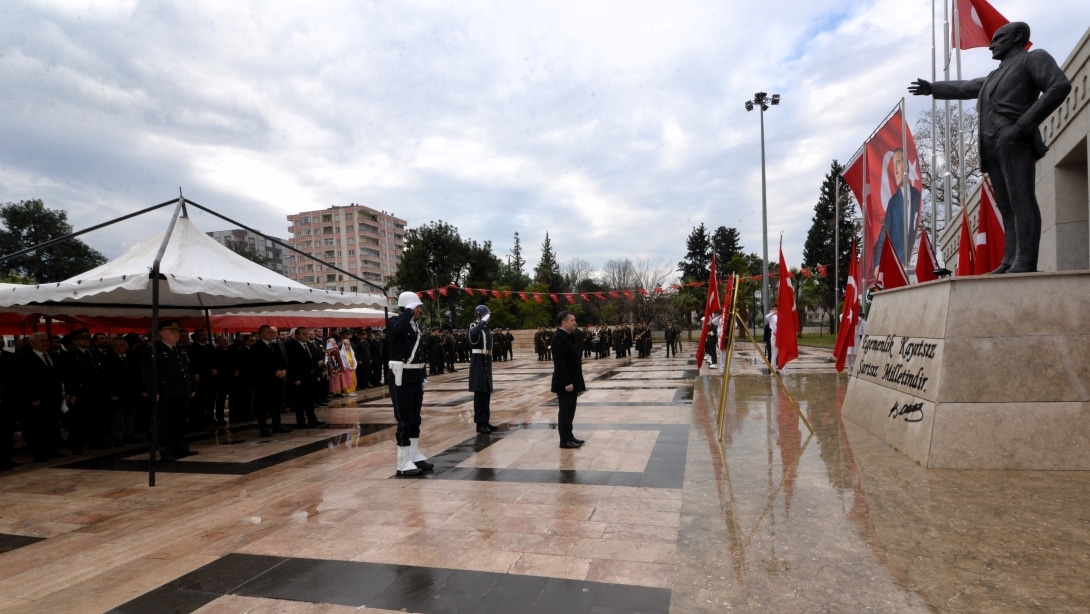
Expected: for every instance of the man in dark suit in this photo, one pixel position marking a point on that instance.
(1012, 102)
(302, 379)
(39, 395)
(120, 391)
(270, 369)
(567, 380)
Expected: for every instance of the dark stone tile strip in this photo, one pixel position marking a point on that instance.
(14, 542)
(665, 468)
(119, 461)
(430, 590)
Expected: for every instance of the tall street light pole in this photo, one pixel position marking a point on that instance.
(763, 100)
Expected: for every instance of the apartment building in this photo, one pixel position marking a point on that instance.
(360, 240)
(274, 254)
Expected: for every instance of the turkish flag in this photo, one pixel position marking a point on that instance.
(711, 307)
(965, 248)
(552, 295)
(469, 291)
(823, 270)
(891, 274)
(925, 260)
(506, 294)
(599, 295)
(787, 321)
(537, 297)
(849, 317)
(805, 272)
(627, 294)
(571, 299)
(522, 295)
(644, 291)
(891, 147)
(430, 293)
(978, 22)
(991, 241)
(614, 294)
(584, 296)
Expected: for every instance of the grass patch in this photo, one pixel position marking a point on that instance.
(823, 341)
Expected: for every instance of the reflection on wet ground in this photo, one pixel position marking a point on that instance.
(839, 521)
(653, 514)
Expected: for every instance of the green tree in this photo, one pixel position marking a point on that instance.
(821, 239)
(698, 255)
(248, 253)
(547, 270)
(28, 223)
(727, 244)
(536, 314)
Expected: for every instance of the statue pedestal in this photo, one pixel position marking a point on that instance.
(979, 372)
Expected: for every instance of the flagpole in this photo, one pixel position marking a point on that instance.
(948, 187)
(906, 192)
(866, 214)
(961, 125)
(836, 242)
(934, 134)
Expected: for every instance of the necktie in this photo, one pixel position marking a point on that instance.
(48, 362)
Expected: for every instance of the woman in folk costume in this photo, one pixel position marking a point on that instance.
(335, 366)
(348, 359)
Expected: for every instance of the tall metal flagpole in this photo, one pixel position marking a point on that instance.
(906, 192)
(836, 243)
(961, 126)
(934, 135)
(946, 109)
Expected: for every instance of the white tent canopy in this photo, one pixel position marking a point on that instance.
(197, 274)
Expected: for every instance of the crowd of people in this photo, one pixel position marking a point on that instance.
(445, 348)
(96, 388)
(602, 340)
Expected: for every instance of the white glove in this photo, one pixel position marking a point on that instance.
(424, 384)
(485, 317)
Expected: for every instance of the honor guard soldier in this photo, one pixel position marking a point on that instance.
(406, 379)
(480, 369)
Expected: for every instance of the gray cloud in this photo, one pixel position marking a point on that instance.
(614, 126)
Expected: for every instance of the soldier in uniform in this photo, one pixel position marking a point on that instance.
(167, 371)
(407, 391)
(380, 353)
(670, 334)
(82, 375)
(480, 369)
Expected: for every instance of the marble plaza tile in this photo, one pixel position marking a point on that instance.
(631, 572)
(552, 566)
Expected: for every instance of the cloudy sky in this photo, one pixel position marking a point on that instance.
(616, 127)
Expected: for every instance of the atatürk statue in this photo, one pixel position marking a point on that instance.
(1012, 102)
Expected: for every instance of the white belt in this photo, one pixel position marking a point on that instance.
(413, 366)
(485, 352)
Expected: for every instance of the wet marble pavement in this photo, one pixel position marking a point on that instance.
(652, 515)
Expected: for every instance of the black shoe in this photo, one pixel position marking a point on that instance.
(300, 425)
(492, 427)
(569, 444)
(281, 429)
(578, 441)
(424, 465)
(315, 424)
(483, 428)
(409, 473)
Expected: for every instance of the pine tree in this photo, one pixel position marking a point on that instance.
(698, 255)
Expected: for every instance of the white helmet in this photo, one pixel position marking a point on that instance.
(408, 300)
